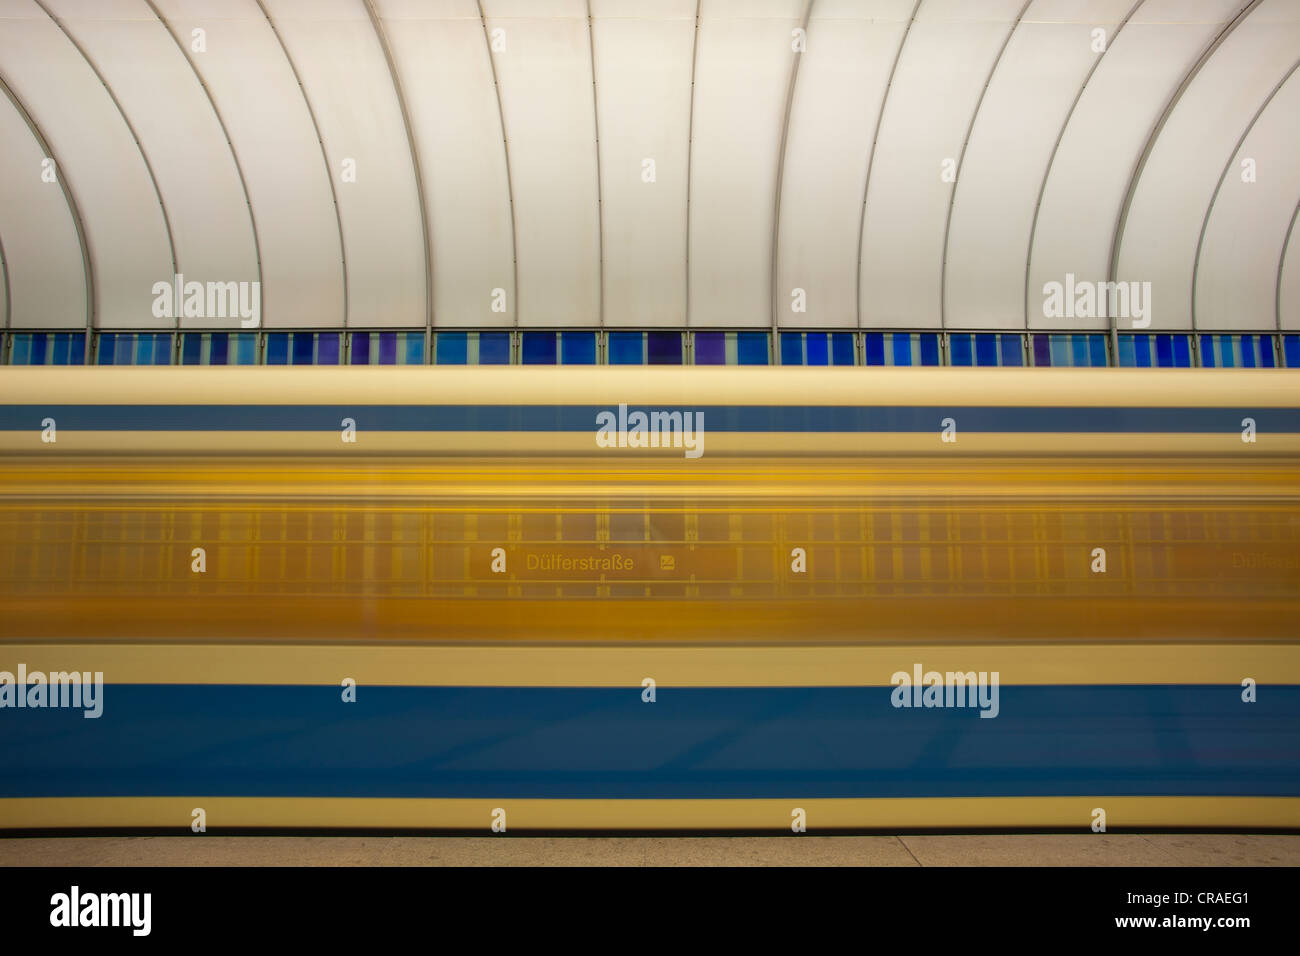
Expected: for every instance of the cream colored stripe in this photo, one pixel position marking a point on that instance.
(730, 666)
(765, 814)
(489, 385)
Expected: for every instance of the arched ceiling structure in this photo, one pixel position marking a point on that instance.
(907, 164)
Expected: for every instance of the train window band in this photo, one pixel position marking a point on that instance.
(655, 347)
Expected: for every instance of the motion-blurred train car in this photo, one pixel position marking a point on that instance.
(649, 599)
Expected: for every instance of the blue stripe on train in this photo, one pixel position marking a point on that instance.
(303, 741)
(579, 418)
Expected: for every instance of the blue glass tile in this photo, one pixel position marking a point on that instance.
(1227, 353)
(1079, 351)
(302, 348)
(1266, 357)
(817, 349)
(626, 348)
(751, 348)
(841, 349)
(219, 348)
(21, 351)
(664, 348)
(1182, 351)
(494, 348)
(1291, 350)
(144, 350)
(107, 344)
(1097, 351)
(77, 354)
(451, 348)
(902, 348)
(1247, 351)
(539, 348)
(40, 346)
(59, 350)
(327, 348)
(1042, 350)
(959, 346)
(277, 348)
(710, 348)
(387, 348)
(792, 349)
(1013, 350)
(192, 348)
(929, 348)
(360, 348)
(874, 348)
(986, 350)
(414, 348)
(578, 348)
(246, 354)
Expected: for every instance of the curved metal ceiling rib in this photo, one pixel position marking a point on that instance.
(228, 261)
(329, 173)
(271, 130)
(1243, 223)
(41, 258)
(124, 228)
(421, 200)
(642, 57)
(1157, 239)
(1022, 114)
(950, 53)
(544, 79)
(961, 159)
(796, 57)
(337, 56)
(844, 73)
(1112, 122)
(1288, 292)
(459, 145)
(510, 176)
(4, 280)
(184, 148)
(1047, 169)
(871, 159)
(135, 136)
(742, 76)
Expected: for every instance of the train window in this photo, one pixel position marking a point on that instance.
(539, 348)
(1238, 351)
(386, 348)
(578, 348)
(1160, 350)
(1291, 349)
(47, 348)
(218, 348)
(133, 348)
(472, 348)
(1070, 350)
(900, 348)
(986, 349)
(664, 348)
(625, 348)
(817, 348)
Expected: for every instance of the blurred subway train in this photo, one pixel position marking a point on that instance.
(599, 598)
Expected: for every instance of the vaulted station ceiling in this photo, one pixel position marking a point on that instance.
(922, 164)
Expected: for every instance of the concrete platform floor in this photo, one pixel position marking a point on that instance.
(1086, 849)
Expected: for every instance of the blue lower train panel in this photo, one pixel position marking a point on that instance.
(558, 742)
